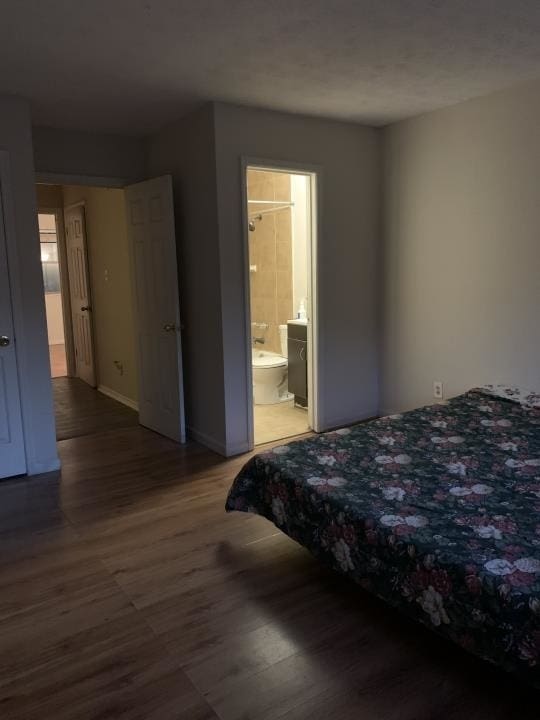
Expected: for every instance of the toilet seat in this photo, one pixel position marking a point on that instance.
(269, 361)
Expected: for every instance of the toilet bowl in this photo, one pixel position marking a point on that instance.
(270, 374)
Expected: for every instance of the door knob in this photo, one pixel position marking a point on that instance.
(4, 341)
(169, 327)
(85, 308)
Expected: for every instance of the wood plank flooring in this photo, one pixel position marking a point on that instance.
(82, 410)
(127, 592)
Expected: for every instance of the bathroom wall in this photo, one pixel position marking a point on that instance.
(270, 251)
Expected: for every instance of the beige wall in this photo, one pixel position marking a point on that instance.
(462, 249)
(111, 286)
(49, 197)
(270, 251)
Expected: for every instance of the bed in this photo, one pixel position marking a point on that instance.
(435, 511)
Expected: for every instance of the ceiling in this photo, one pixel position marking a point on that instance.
(132, 66)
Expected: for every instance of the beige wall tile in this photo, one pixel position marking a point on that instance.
(266, 285)
(283, 256)
(283, 226)
(284, 283)
(284, 311)
(282, 186)
(270, 249)
(257, 309)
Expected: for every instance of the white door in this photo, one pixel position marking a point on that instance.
(150, 219)
(79, 289)
(12, 455)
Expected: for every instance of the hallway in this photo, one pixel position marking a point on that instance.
(82, 410)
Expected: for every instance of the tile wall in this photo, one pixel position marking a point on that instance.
(270, 250)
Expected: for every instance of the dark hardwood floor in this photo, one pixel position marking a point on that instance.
(82, 410)
(127, 592)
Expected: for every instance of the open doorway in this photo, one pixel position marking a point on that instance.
(50, 263)
(89, 309)
(116, 280)
(280, 253)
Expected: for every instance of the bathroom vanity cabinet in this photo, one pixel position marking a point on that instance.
(297, 352)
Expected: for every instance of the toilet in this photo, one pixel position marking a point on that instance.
(270, 373)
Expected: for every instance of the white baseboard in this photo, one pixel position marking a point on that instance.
(38, 467)
(133, 404)
(335, 424)
(208, 441)
(238, 449)
(385, 412)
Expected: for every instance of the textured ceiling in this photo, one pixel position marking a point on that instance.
(134, 65)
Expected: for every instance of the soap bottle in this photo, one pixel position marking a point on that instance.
(302, 315)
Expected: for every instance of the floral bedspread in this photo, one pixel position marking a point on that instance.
(436, 511)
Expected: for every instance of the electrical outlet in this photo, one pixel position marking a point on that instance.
(438, 389)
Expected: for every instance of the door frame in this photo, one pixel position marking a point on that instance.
(64, 285)
(314, 174)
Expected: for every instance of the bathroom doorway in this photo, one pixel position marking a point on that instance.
(280, 253)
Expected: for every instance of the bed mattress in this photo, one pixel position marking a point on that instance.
(436, 511)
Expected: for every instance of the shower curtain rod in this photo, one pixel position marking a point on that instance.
(260, 213)
(271, 202)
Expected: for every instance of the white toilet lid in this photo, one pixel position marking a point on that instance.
(269, 361)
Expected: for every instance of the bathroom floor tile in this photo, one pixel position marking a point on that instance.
(283, 420)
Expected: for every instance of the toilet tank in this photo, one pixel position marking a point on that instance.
(283, 339)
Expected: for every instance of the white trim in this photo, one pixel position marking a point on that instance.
(44, 466)
(206, 440)
(314, 173)
(133, 404)
(349, 421)
(44, 178)
(385, 412)
(247, 305)
(238, 449)
(315, 409)
(216, 445)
